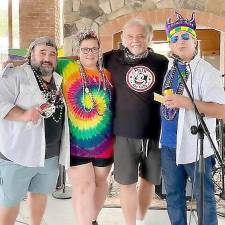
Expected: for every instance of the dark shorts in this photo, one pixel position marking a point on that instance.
(130, 161)
(101, 162)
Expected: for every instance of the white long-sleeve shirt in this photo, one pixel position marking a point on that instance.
(207, 86)
(20, 143)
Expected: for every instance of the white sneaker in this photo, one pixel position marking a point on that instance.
(140, 222)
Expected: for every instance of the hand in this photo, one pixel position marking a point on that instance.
(177, 101)
(32, 114)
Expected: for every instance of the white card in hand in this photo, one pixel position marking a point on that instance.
(158, 98)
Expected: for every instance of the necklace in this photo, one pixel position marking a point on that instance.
(47, 83)
(131, 56)
(54, 105)
(170, 113)
(103, 85)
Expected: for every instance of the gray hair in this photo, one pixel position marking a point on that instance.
(41, 41)
(139, 22)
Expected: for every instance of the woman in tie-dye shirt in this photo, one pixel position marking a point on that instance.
(88, 92)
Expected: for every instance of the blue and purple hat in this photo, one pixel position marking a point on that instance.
(181, 24)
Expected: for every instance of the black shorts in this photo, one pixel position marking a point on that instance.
(99, 162)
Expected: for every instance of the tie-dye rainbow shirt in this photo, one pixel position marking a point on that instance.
(90, 125)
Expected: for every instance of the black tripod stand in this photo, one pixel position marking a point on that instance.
(219, 173)
(201, 130)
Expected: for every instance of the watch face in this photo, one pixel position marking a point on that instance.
(47, 110)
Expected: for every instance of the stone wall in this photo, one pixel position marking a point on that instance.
(79, 14)
(41, 17)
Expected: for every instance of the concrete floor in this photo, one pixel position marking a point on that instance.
(59, 212)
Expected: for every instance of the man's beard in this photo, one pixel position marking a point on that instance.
(43, 71)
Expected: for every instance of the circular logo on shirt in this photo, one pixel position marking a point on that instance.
(140, 78)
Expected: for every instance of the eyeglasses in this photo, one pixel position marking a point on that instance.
(185, 37)
(93, 50)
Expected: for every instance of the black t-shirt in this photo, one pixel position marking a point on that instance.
(137, 115)
(54, 125)
(53, 133)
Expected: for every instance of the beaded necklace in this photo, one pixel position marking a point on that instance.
(54, 105)
(131, 56)
(170, 113)
(103, 83)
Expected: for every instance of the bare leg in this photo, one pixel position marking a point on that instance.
(145, 196)
(82, 179)
(37, 204)
(101, 174)
(8, 215)
(129, 202)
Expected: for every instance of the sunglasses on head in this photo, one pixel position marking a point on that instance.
(184, 36)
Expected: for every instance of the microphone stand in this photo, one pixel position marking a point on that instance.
(62, 192)
(220, 132)
(201, 130)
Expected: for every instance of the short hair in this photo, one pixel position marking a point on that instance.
(139, 22)
(41, 41)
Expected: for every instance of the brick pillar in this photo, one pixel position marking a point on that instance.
(38, 18)
(57, 22)
(222, 53)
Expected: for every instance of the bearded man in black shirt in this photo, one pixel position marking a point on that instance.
(137, 72)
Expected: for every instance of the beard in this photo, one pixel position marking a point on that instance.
(43, 70)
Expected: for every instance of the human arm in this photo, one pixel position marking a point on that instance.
(14, 62)
(209, 109)
(19, 114)
(207, 91)
(9, 93)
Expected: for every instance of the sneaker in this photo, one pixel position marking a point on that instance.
(94, 222)
(140, 222)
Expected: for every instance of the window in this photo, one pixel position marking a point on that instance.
(160, 47)
(9, 27)
(3, 30)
